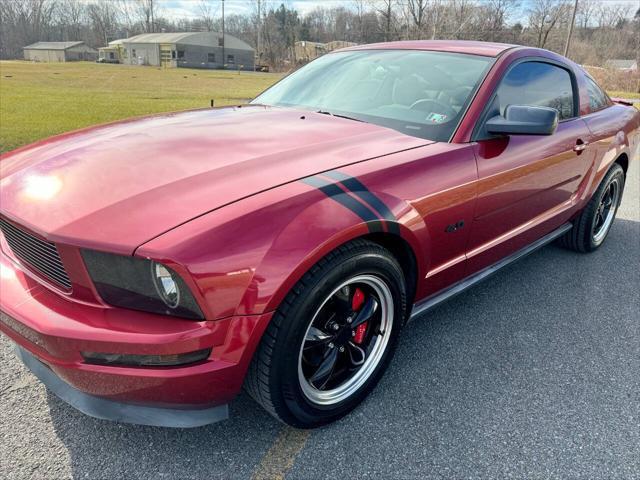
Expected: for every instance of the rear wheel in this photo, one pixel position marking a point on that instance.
(593, 224)
(332, 338)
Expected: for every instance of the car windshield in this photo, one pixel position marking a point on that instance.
(420, 93)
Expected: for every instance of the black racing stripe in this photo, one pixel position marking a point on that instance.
(335, 193)
(360, 190)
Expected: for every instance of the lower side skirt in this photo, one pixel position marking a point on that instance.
(456, 288)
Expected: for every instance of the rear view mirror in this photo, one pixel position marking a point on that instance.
(524, 120)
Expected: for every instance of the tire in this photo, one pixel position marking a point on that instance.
(276, 378)
(591, 227)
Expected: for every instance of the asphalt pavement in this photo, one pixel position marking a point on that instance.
(535, 373)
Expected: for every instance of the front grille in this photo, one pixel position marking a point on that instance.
(41, 256)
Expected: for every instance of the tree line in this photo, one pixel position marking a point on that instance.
(603, 29)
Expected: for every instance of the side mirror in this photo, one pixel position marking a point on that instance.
(524, 120)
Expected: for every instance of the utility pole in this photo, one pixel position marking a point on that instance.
(153, 26)
(258, 39)
(573, 19)
(224, 58)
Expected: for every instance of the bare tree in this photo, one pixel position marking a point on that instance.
(72, 15)
(497, 17)
(436, 17)
(208, 14)
(256, 14)
(24, 22)
(103, 15)
(360, 8)
(417, 15)
(603, 30)
(462, 15)
(146, 13)
(127, 16)
(544, 16)
(386, 10)
(610, 15)
(586, 12)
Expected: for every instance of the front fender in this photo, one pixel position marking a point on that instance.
(324, 225)
(245, 257)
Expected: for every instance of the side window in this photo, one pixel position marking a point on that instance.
(540, 84)
(597, 98)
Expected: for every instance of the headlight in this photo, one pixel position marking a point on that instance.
(140, 284)
(166, 285)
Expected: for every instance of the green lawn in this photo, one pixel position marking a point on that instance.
(624, 94)
(39, 100)
(627, 95)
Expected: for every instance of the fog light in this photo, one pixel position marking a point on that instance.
(128, 360)
(165, 284)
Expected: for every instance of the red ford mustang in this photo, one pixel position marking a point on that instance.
(152, 268)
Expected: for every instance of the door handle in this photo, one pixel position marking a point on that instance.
(580, 146)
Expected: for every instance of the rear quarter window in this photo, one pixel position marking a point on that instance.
(597, 98)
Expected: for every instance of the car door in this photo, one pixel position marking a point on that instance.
(524, 180)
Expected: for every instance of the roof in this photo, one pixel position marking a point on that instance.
(487, 49)
(52, 45)
(207, 39)
(618, 63)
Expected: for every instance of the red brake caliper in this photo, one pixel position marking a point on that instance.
(356, 304)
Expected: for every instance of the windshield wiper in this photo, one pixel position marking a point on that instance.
(326, 112)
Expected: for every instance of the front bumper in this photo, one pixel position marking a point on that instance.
(51, 331)
(119, 411)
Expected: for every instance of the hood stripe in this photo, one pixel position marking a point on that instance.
(338, 195)
(356, 187)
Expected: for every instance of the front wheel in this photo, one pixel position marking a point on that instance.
(594, 223)
(332, 338)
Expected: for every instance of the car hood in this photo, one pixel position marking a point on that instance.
(116, 186)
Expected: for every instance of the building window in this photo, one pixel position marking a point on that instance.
(220, 42)
(231, 59)
(111, 56)
(133, 52)
(180, 53)
(211, 57)
(173, 54)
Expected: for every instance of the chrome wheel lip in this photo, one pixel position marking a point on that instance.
(600, 234)
(353, 384)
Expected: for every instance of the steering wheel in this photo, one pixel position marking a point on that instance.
(433, 106)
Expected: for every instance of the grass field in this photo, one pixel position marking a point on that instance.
(39, 100)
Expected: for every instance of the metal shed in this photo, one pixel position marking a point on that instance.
(59, 52)
(190, 49)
